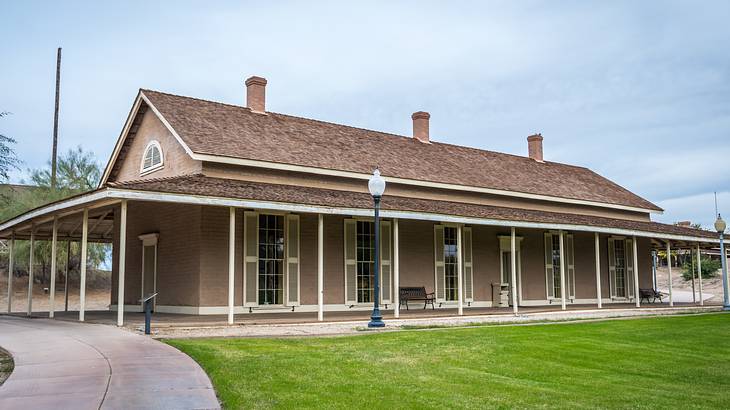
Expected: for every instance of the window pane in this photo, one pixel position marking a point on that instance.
(271, 259)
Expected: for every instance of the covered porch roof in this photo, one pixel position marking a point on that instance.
(204, 190)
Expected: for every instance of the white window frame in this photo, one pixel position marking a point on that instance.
(505, 246)
(628, 276)
(570, 280)
(155, 167)
(442, 285)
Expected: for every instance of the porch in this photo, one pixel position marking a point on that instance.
(193, 250)
(414, 317)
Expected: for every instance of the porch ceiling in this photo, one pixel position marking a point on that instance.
(100, 226)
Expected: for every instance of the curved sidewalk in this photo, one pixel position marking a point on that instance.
(64, 365)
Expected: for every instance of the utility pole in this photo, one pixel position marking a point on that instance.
(55, 120)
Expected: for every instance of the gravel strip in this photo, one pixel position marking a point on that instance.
(360, 327)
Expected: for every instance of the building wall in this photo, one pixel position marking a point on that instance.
(176, 160)
(178, 252)
(193, 257)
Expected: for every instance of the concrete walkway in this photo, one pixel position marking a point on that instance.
(63, 365)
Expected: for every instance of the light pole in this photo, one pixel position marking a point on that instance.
(720, 228)
(376, 185)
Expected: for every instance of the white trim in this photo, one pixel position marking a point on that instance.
(149, 239)
(120, 141)
(406, 181)
(118, 194)
(154, 167)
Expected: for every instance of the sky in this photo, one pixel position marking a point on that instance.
(637, 91)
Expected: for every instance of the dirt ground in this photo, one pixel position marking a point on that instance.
(712, 286)
(98, 295)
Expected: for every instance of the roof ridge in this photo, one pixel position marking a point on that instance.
(362, 128)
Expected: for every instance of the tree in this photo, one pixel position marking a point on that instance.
(8, 158)
(78, 172)
(709, 267)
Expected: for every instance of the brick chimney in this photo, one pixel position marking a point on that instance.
(534, 147)
(256, 94)
(420, 126)
(685, 224)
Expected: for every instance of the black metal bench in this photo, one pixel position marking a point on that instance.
(650, 294)
(416, 293)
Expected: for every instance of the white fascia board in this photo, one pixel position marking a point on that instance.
(120, 141)
(423, 216)
(414, 182)
(125, 131)
(60, 206)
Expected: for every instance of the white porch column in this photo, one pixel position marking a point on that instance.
(122, 262)
(54, 242)
(320, 267)
(231, 261)
(669, 269)
(65, 282)
(460, 273)
(562, 271)
(636, 273)
(30, 271)
(84, 251)
(396, 270)
(513, 270)
(699, 274)
(11, 266)
(598, 270)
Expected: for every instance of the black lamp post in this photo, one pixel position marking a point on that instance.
(376, 185)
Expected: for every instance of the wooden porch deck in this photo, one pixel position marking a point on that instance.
(135, 320)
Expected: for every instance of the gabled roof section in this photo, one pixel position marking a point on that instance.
(218, 132)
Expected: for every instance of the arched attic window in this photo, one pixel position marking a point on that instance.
(152, 159)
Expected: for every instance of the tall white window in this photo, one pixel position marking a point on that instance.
(365, 261)
(152, 158)
(621, 267)
(553, 263)
(271, 259)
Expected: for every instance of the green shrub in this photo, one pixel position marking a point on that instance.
(709, 267)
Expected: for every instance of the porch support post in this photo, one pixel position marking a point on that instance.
(598, 270)
(65, 282)
(699, 274)
(122, 262)
(460, 273)
(11, 266)
(82, 261)
(513, 270)
(636, 273)
(669, 269)
(562, 271)
(30, 271)
(231, 260)
(396, 270)
(320, 267)
(54, 242)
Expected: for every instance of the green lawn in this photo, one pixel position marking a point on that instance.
(6, 365)
(668, 362)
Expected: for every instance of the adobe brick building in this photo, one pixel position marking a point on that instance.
(226, 209)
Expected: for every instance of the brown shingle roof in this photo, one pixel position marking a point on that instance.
(232, 131)
(219, 187)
